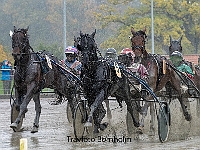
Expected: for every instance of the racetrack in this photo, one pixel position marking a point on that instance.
(55, 133)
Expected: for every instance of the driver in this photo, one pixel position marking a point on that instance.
(177, 59)
(71, 61)
(111, 53)
(72, 64)
(127, 58)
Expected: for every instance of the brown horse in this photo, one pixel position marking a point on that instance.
(160, 74)
(33, 72)
(175, 45)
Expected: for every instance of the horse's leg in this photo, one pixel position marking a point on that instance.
(109, 115)
(198, 108)
(99, 114)
(185, 105)
(152, 122)
(23, 106)
(99, 99)
(143, 112)
(132, 107)
(133, 111)
(38, 107)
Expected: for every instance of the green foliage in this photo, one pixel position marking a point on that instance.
(174, 18)
(54, 49)
(114, 21)
(2, 54)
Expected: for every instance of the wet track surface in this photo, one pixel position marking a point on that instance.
(56, 133)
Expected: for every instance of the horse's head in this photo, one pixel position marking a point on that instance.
(87, 46)
(175, 45)
(20, 42)
(138, 42)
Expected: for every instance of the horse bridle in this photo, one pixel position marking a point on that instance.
(21, 45)
(141, 48)
(86, 48)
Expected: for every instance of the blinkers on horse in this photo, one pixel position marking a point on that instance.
(138, 46)
(30, 77)
(175, 45)
(154, 64)
(100, 80)
(20, 43)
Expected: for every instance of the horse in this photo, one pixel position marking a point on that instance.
(160, 74)
(33, 72)
(175, 45)
(100, 80)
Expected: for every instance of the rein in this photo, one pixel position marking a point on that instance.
(183, 77)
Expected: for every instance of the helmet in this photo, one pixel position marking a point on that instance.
(111, 53)
(177, 53)
(126, 56)
(71, 50)
(126, 51)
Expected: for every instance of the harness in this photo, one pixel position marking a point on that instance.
(158, 59)
(140, 47)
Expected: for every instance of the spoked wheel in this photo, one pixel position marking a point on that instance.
(79, 120)
(69, 113)
(14, 115)
(163, 122)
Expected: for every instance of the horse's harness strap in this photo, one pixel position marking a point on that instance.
(37, 61)
(159, 66)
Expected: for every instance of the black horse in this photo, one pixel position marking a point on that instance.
(33, 72)
(101, 79)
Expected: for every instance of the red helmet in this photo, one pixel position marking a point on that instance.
(126, 51)
(71, 50)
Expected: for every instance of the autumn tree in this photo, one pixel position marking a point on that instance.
(45, 21)
(174, 18)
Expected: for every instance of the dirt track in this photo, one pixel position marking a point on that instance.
(55, 133)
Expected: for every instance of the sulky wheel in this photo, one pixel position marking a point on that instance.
(163, 122)
(69, 113)
(79, 120)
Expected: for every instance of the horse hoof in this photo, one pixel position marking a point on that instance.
(188, 117)
(96, 130)
(13, 125)
(152, 131)
(140, 130)
(103, 126)
(34, 130)
(88, 124)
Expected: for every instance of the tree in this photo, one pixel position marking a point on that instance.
(4, 55)
(174, 18)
